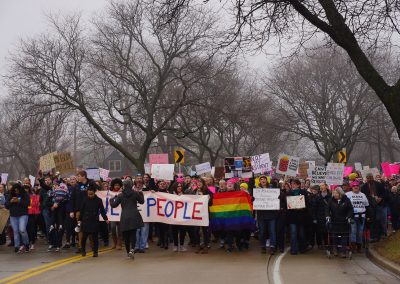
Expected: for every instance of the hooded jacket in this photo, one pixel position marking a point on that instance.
(130, 216)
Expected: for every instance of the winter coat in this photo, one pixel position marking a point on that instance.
(339, 212)
(297, 216)
(319, 209)
(79, 195)
(394, 203)
(89, 214)
(130, 216)
(380, 192)
(18, 209)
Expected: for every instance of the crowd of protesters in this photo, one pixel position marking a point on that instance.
(65, 211)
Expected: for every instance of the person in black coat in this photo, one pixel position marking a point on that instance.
(17, 202)
(394, 204)
(377, 198)
(339, 214)
(319, 217)
(296, 219)
(89, 218)
(131, 219)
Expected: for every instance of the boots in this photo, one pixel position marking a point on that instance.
(115, 241)
(119, 244)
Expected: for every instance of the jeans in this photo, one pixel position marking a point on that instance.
(19, 228)
(357, 230)
(297, 238)
(141, 236)
(271, 225)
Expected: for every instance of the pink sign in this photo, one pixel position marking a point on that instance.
(348, 171)
(386, 169)
(212, 189)
(158, 159)
(394, 169)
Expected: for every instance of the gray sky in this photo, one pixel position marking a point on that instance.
(23, 18)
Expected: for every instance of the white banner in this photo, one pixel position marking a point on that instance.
(203, 168)
(113, 214)
(296, 202)
(162, 171)
(261, 163)
(334, 173)
(287, 165)
(190, 210)
(266, 198)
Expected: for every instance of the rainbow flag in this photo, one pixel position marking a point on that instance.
(231, 211)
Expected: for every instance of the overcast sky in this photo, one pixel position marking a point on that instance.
(22, 18)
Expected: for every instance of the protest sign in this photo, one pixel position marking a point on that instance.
(46, 162)
(4, 178)
(348, 171)
(63, 163)
(147, 168)
(261, 163)
(266, 198)
(190, 210)
(203, 168)
(113, 214)
(219, 172)
(246, 168)
(296, 202)
(358, 166)
(287, 165)
(158, 159)
(311, 164)
(229, 164)
(93, 173)
(386, 169)
(334, 173)
(104, 173)
(318, 175)
(394, 169)
(32, 180)
(238, 163)
(4, 215)
(303, 170)
(162, 171)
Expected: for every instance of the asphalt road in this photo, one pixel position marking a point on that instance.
(160, 266)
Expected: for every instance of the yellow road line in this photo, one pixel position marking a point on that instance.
(15, 278)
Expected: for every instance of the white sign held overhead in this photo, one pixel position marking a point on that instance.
(203, 168)
(162, 171)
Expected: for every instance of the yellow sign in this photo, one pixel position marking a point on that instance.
(179, 156)
(342, 157)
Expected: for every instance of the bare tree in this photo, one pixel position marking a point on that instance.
(128, 79)
(359, 27)
(27, 136)
(324, 100)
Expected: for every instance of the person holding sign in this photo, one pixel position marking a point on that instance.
(267, 221)
(296, 216)
(131, 219)
(339, 215)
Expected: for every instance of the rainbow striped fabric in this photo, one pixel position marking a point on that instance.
(231, 211)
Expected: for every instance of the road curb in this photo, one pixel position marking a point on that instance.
(379, 260)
